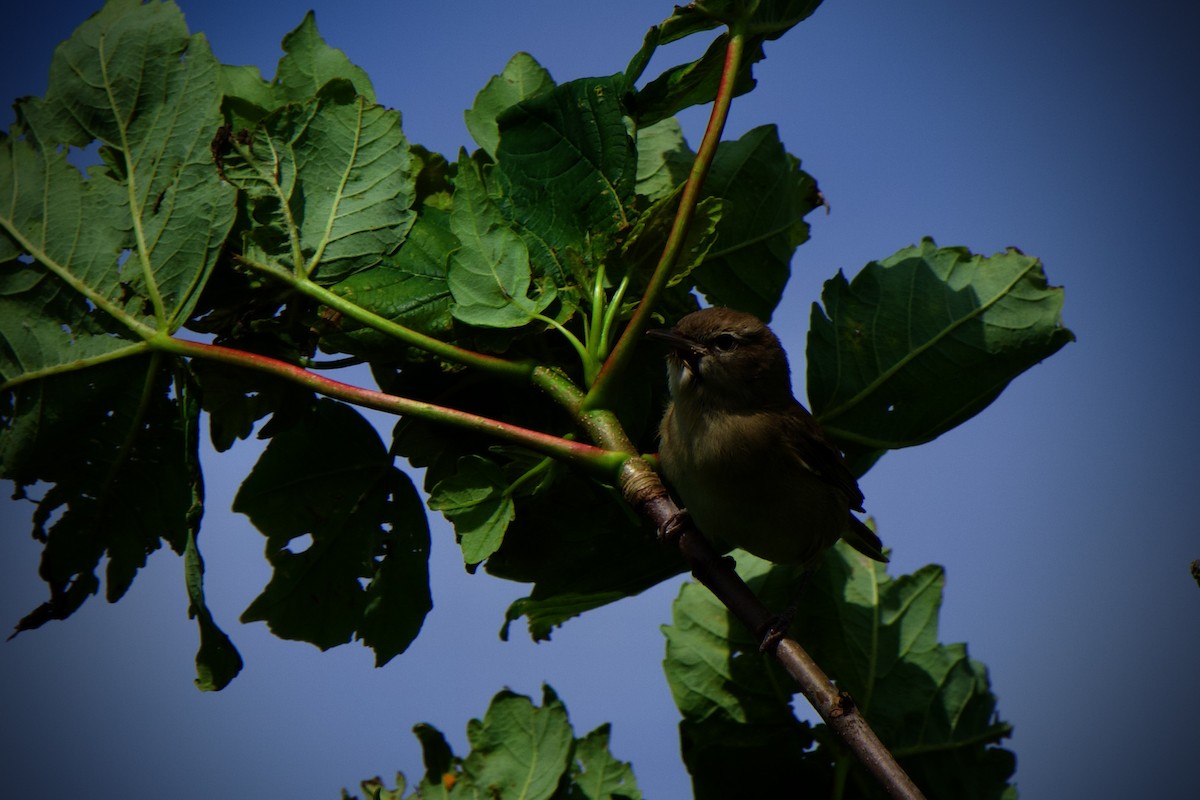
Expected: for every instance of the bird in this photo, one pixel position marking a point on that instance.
(750, 464)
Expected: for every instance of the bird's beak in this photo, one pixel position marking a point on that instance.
(688, 350)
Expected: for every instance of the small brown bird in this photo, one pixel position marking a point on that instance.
(748, 461)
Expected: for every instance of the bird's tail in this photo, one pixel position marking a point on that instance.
(864, 540)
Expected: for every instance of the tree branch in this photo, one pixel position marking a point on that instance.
(644, 491)
(596, 461)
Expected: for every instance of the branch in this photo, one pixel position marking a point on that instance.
(596, 461)
(608, 379)
(645, 492)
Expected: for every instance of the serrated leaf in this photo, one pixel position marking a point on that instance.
(139, 236)
(877, 639)
(519, 750)
(769, 18)
(477, 500)
(930, 703)
(330, 184)
(217, 661)
(328, 481)
(489, 274)
(737, 717)
(603, 555)
(309, 63)
(522, 78)
(924, 340)
(765, 198)
(596, 774)
(567, 163)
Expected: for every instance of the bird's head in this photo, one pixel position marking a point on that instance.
(722, 357)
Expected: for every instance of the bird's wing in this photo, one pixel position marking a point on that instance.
(808, 443)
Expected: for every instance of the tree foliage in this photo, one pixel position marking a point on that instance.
(236, 235)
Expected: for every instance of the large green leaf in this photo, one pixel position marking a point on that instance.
(738, 724)
(930, 703)
(138, 236)
(765, 197)
(330, 183)
(924, 340)
(328, 481)
(877, 638)
(89, 266)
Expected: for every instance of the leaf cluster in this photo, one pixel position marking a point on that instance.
(518, 750)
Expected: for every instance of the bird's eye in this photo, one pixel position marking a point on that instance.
(724, 343)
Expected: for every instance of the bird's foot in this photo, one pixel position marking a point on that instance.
(670, 530)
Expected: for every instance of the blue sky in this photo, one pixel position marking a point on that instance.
(1062, 514)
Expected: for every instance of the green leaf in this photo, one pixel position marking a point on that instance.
(307, 65)
(694, 83)
(738, 724)
(521, 79)
(877, 638)
(930, 703)
(410, 287)
(924, 340)
(477, 500)
(328, 482)
(605, 553)
(330, 184)
(519, 750)
(770, 18)
(567, 163)
(596, 775)
(138, 237)
(664, 159)
(765, 198)
(489, 275)
(310, 63)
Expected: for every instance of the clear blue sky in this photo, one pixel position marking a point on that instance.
(1063, 514)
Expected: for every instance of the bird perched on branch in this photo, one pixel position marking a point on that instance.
(748, 461)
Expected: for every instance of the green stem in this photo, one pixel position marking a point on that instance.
(590, 364)
(598, 462)
(513, 370)
(607, 381)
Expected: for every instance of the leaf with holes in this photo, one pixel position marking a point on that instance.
(345, 532)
